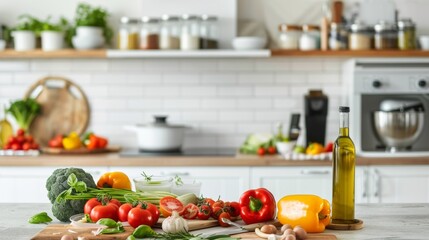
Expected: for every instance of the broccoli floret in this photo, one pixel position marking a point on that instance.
(57, 183)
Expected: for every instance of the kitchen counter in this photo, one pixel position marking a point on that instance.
(381, 221)
(114, 159)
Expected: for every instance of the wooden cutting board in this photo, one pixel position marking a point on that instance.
(311, 236)
(194, 224)
(65, 108)
(56, 231)
(80, 150)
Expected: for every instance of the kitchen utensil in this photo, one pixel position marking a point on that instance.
(400, 105)
(226, 220)
(159, 136)
(398, 130)
(249, 43)
(310, 236)
(79, 151)
(294, 128)
(285, 147)
(65, 108)
(228, 231)
(56, 231)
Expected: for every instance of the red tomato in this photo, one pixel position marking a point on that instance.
(12, 140)
(209, 201)
(272, 150)
(29, 139)
(115, 201)
(20, 139)
(93, 202)
(190, 211)
(216, 211)
(234, 209)
(155, 212)
(123, 211)
(329, 147)
(218, 203)
(204, 212)
(139, 216)
(16, 146)
(35, 146)
(104, 211)
(20, 132)
(26, 146)
(224, 215)
(169, 204)
(261, 151)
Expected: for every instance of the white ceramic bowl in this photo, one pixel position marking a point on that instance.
(188, 186)
(84, 31)
(424, 42)
(88, 42)
(249, 43)
(285, 147)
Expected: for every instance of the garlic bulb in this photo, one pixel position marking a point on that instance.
(174, 224)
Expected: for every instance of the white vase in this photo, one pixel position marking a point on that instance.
(85, 31)
(52, 40)
(24, 40)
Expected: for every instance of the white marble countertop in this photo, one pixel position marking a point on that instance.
(381, 221)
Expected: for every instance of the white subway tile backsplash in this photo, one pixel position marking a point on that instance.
(14, 66)
(223, 100)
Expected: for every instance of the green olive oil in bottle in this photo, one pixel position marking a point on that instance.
(343, 188)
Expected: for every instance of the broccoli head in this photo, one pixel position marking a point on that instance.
(57, 183)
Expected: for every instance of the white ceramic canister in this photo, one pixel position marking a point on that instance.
(24, 40)
(52, 40)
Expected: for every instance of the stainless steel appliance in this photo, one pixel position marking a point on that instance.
(389, 100)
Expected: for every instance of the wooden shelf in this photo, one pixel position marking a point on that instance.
(65, 53)
(349, 53)
(219, 53)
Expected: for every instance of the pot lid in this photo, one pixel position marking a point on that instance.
(392, 105)
(161, 122)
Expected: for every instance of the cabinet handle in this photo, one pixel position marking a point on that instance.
(315, 172)
(377, 192)
(175, 173)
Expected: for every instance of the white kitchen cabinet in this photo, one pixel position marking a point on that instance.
(27, 184)
(283, 181)
(399, 184)
(226, 182)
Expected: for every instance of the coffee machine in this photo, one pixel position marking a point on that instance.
(316, 112)
(389, 100)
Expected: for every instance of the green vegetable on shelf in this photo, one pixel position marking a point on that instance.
(24, 111)
(42, 217)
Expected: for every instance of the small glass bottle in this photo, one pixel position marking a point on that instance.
(289, 36)
(386, 36)
(209, 32)
(406, 34)
(360, 37)
(169, 33)
(149, 33)
(128, 34)
(338, 37)
(343, 184)
(190, 34)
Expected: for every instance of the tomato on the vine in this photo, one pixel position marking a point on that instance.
(224, 215)
(218, 203)
(140, 216)
(216, 211)
(204, 212)
(234, 209)
(190, 211)
(261, 151)
(123, 211)
(104, 211)
(272, 150)
(90, 204)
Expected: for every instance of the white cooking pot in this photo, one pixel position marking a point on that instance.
(159, 136)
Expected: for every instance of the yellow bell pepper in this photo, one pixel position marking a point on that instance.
(114, 180)
(72, 141)
(311, 212)
(314, 149)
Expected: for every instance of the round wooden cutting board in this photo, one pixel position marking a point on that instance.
(65, 108)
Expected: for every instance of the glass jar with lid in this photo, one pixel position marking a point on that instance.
(360, 37)
(190, 32)
(338, 37)
(149, 33)
(406, 34)
(310, 38)
(169, 32)
(128, 34)
(386, 36)
(209, 32)
(289, 36)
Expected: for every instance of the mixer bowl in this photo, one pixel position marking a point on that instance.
(398, 130)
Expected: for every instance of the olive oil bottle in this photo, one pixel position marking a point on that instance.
(343, 188)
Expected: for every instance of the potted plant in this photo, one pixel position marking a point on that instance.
(91, 28)
(53, 34)
(24, 34)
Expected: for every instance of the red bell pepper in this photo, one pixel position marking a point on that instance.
(257, 205)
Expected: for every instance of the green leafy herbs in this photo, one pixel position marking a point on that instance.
(42, 217)
(118, 228)
(189, 236)
(24, 111)
(178, 180)
(30, 23)
(86, 15)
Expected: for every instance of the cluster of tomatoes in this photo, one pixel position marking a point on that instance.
(136, 215)
(21, 142)
(203, 210)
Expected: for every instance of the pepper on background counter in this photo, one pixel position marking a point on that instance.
(257, 205)
(93, 141)
(114, 180)
(72, 141)
(311, 212)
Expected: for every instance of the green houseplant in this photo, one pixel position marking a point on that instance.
(24, 34)
(53, 34)
(89, 23)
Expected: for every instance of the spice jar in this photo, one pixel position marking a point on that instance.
(406, 34)
(209, 32)
(310, 38)
(190, 36)
(338, 37)
(360, 37)
(289, 36)
(128, 34)
(169, 32)
(149, 33)
(386, 36)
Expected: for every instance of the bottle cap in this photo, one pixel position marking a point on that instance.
(344, 109)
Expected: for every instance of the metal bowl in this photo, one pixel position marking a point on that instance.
(398, 130)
